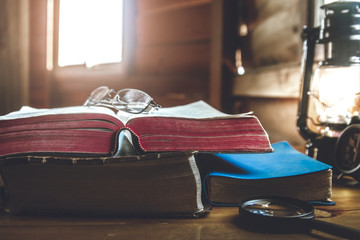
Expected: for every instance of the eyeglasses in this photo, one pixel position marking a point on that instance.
(128, 99)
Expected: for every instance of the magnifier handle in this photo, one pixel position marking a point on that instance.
(335, 229)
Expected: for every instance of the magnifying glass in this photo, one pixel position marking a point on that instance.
(282, 214)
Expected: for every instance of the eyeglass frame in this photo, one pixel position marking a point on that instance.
(108, 101)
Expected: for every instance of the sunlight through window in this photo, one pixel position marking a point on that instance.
(90, 32)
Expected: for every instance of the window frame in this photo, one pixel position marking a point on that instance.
(128, 55)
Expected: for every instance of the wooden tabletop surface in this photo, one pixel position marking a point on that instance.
(221, 223)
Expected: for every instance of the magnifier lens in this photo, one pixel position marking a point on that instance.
(274, 208)
(275, 214)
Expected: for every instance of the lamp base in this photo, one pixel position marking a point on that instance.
(323, 149)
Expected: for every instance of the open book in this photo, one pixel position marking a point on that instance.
(95, 131)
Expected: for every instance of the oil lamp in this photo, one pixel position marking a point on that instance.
(330, 91)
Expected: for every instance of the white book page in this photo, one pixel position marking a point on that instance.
(195, 110)
(199, 109)
(27, 111)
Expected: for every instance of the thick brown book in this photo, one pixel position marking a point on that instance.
(95, 131)
(166, 184)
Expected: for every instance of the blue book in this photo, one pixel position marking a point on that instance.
(232, 177)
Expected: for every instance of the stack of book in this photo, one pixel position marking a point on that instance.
(172, 162)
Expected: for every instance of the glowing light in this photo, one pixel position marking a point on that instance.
(90, 32)
(335, 95)
(238, 63)
(243, 30)
(241, 70)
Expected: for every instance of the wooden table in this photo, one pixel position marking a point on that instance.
(221, 223)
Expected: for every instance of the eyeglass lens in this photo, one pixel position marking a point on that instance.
(132, 100)
(98, 94)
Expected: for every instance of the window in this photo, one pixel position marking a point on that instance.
(88, 32)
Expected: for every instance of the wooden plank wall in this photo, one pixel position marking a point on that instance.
(14, 53)
(276, 35)
(173, 37)
(271, 87)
